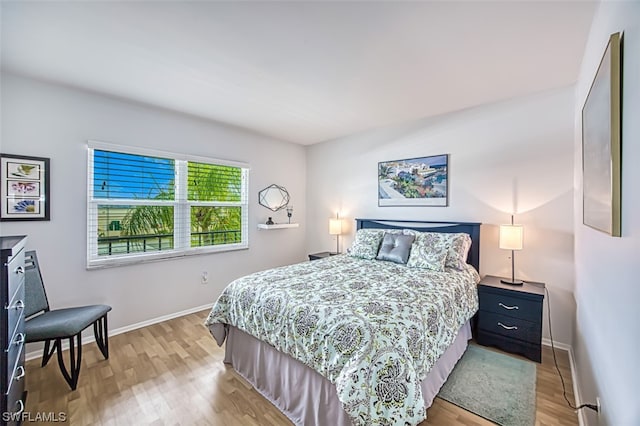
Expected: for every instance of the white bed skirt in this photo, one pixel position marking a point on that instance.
(303, 395)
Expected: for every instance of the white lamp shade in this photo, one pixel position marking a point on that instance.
(511, 237)
(335, 226)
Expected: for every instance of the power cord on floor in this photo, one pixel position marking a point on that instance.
(555, 361)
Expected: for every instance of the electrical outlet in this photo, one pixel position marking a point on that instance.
(599, 406)
(204, 278)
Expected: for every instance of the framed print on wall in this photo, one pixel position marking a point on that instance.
(601, 139)
(24, 191)
(422, 181)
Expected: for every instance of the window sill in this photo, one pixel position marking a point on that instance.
(111, 262)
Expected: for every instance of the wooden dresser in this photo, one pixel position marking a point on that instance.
(12, 330)
(510, 316)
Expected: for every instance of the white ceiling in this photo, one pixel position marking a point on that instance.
(304, 72)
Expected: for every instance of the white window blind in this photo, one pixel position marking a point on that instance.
(146, 205)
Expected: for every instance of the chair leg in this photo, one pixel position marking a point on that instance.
(72, 379)
(48, 352)
(102, 335)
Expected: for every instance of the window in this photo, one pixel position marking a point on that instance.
(145, 205)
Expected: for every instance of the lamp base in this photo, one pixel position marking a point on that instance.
(514, 282)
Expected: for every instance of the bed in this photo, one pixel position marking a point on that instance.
(350, 339)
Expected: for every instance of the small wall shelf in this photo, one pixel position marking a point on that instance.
(278, 226)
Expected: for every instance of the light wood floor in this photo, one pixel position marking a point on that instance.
(172, 374)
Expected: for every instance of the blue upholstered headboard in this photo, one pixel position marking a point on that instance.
(471, 228)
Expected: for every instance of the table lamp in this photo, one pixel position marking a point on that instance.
(335, 228)
(511, 237)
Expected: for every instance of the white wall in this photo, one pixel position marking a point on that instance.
(607, 338)
(45, 120)
(504, 157)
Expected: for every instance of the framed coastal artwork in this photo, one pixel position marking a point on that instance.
(601, 139)
(422, 181)
(24, 188)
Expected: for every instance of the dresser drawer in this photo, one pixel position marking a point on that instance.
(15, 315)
(513, 328)
(16, 403)
(15, 358)
(16, 371)
(17, 338)
(15, 275)
(515, 307)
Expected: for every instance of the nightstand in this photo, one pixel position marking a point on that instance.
(322, 254)
(510, 317)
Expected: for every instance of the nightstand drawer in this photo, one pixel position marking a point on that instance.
(515, 307)
(530, 350)
(514, 328)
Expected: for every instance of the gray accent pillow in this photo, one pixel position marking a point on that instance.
(395, 248)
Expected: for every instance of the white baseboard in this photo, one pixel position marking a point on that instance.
(558, 345)
(576, 389)
(65, 345)
(574, 376)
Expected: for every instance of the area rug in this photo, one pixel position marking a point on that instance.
(495, 386)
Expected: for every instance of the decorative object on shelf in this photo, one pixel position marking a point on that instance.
(289, 212)
(420, 181)
(270, 221)
(511, 238)
(24, 192)
(335, 228)
(274, 197)
(601, 139)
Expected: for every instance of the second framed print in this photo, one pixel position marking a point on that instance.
(601, 144)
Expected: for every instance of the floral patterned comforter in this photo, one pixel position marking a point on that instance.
(372, 328)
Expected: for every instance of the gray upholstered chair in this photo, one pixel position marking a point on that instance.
(45, 325)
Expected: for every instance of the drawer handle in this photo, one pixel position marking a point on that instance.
(508, 307)
(19, 339)
(18, 305)
(19, 270)
(507, 327)
(21, 410)
(21, 375)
